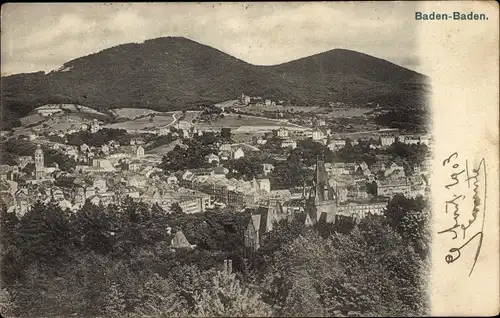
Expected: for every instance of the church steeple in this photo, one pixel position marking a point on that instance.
(321, 202)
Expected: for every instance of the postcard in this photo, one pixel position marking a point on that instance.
(249, 159)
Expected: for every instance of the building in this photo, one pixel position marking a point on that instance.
(321, 203)
(336, 144)
(390, 188)
(359, 209)
(84, 148)
(179, 241)
(288, 143)
(172, 180)
(409, 139)
(387, 140)
(282, 133)
(261, 220)
(196, 203)
(238, 154)
(100, 185)
(267, 168)
(212, 158)
(245, 100)
(95, 126)
(39, 164)
(264, 184)
(105, 149)
(139, 152)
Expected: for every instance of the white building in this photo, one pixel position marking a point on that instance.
(336, 144)
(387, 140)
(212, 158)
(283, 133)
(139, 152)
(288, 143)
(238, 153)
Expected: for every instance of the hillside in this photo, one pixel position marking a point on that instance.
(174, 72)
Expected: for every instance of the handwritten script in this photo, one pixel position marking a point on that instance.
(465, 207)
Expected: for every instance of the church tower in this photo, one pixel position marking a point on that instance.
(321, 202)
(39, 163)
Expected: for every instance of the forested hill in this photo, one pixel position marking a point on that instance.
(175, 72)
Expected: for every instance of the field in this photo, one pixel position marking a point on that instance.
(54, 123)
(132, 113)
(145, 123)
(163, 149)
(346, 112)
(245, 122)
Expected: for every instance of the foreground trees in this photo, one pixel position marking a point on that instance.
(117, 261)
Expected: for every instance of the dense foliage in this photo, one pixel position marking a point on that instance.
(99, 138)
(117, 260)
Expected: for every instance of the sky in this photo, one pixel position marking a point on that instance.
(42, 37)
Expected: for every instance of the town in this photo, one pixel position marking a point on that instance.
(271, 170)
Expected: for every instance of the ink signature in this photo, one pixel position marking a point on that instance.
(467, 223)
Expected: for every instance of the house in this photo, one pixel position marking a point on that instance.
(24, 160)
(319, 134)
(84, 148)
(336, 144)
(100, 185)
(289, 143)
(387, 140)
(183, 125)
(105, 149)
(57, 194)
(139, 152)
(179, 241)
(212, 158)
(359, 209)
(267, 168)
(225, 147)
(264, 184)
(238, 154)
(409, 139)
(283, 132)
(134, 165)
(388, 188)
(261, 141)
(172, 180)
(95, 126)
(185, 133)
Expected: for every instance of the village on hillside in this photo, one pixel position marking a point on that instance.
(230, 155)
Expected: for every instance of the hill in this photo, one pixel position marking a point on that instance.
(174, 73)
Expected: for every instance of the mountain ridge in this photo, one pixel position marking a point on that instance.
(175, 72)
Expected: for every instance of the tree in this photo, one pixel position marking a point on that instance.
(92, 229)
(176, 209)
(7, 307)
(44, 234)
(226, 297)
(225, 133)
(158, 298)
(114, 302)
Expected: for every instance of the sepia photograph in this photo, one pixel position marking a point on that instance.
(230, 160)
